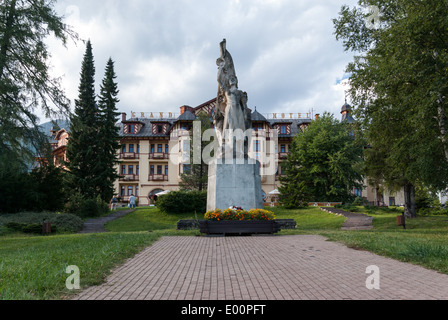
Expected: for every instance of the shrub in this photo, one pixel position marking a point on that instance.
(68, 222)
(183, 202)
(32, 228)
(232, 214)
(28, 221)
(86, 208)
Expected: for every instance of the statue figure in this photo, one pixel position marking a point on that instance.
(231, 112)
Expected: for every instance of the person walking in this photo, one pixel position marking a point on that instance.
(113, 202)
(132, 201)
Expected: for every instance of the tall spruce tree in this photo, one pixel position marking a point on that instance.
(83, 146)
(109, 132)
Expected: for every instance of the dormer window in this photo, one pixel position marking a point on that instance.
(283, 128)
(131, 128)
(159, 128)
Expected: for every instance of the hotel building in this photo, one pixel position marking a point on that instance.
(155, 148)
(155, 144)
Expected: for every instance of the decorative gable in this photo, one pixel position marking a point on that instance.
(283, 128)
(132, 127)
(160, 128)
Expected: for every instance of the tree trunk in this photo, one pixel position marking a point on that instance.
(410, 210)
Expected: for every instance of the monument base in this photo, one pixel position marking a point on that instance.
(237, 183)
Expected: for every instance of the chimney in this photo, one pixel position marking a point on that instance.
(123, 117)
(183, 109)
(317, 116)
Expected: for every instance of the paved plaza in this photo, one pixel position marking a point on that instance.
(299, 267)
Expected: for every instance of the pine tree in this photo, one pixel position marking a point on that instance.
(82, 148)
(109, 132)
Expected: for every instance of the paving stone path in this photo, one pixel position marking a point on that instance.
(355, 221)
(297, 267)
(97, 225)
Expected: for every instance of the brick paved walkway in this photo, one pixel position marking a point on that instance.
(263, 268)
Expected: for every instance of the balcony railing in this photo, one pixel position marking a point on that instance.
(158, 177)
(158, 156)
(283, 155)
(129, 177)
(129, 155)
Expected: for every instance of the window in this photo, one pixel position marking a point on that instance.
(151, 170)
(130, 190)
(166, 170)
(186, 145)
(131, 148)
(167, 151)
(159, 148)
(123, 191)
(358, 192)
(136, 191)
(123, 169)
(391, 201)
(283, 129)
(138, 149)
(123, 148)
(187, 168)
(137, 170)
(159, 169)
(159, 128)
(131, 129)
(283, 148)
(153, 146)
(256, 145)
(258, 127)
(131, 170)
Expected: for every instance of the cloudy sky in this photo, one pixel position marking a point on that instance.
(286, 56)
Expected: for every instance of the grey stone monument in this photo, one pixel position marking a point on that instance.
(234, 178)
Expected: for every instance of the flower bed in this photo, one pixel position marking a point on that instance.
(239, 215)
(239, 222)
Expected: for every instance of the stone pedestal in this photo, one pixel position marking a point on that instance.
(237, 183)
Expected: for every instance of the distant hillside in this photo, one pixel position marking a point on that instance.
(47, 126)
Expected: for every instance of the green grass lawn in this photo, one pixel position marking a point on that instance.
(33, 267)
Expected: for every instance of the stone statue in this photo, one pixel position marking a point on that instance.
(231, 112)
(233, 183)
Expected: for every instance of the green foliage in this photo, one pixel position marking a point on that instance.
(183, 202)
(94, 136)
(399, 86)
(197, 178)
(41, 189)
(108, 133)
(27, 221)
(323, 165)
(25, 81)
(82, 149)
(86, 207)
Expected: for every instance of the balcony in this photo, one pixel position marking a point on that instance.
(129, 155)
(129, 177)
(158, 177)
(283, 155)
(158, 156)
